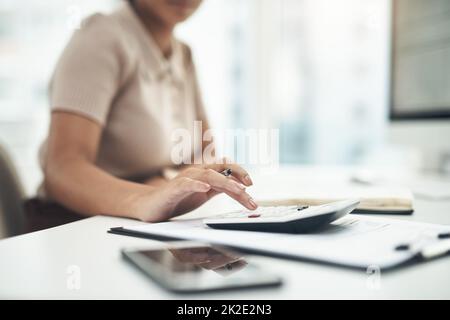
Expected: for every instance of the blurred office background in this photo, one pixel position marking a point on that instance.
(315, 69)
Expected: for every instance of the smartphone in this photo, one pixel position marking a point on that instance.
(191, 267)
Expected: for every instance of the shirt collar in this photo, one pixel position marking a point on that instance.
(159, 65)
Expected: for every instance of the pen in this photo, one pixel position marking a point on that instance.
(445, 235)
(227, 172)
(430, 250)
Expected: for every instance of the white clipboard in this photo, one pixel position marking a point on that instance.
(353, 241)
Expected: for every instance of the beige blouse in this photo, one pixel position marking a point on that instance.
(114, 73)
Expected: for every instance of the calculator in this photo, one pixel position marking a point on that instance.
(283, 219)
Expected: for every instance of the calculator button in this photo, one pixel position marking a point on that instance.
(255, 215)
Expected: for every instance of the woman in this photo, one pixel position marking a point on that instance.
(121, 86)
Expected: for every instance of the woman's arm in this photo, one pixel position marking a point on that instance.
(73, 179)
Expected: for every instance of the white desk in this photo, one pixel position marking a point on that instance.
(35, 266)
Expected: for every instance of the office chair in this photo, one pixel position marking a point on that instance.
(12, 217)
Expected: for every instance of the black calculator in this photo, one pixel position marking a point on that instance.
(283, 219)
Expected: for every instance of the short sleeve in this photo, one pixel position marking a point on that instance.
(87, 75)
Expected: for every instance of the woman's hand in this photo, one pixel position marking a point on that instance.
(193, 187)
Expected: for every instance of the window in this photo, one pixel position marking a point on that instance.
(315, 69)
(32, 35)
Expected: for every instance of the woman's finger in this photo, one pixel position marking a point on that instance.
(232, 188)
(237, 171)
(185, 186)
(216, 183)
(243, 198)
(222, 183)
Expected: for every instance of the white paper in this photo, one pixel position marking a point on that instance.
(354, 240)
